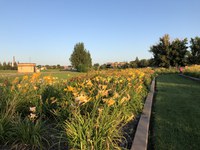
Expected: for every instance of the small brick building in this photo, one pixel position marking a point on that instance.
(26, 67)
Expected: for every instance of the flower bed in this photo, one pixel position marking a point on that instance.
(162, 70)
(193, 71)
(86, 112)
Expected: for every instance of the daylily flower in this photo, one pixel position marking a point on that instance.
(32, 109)
(110, 102)
(33, 116)
(82, 99)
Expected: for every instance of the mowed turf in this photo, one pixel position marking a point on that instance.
(11, 74)
(176, 124)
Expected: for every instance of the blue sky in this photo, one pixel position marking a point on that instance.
(45, 31)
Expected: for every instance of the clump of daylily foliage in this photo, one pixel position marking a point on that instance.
(86, 112)
(193, 70)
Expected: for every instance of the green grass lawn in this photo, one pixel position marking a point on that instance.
(193, 74)
(8, 71)
(176, 124)
(11, 74)
(62, 74)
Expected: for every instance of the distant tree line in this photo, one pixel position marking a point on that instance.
(58, 66)
(8, 66)
(167, 53)
(132, 64)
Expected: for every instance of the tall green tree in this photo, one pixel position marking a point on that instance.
(167, 53)
(5, 67)
(178, 53)
(135, 63)
(1, 66)
(15, 66)
(161, 52)
(195, 50)
(81, 58)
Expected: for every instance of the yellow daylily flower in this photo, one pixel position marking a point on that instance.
(82, 99)
(110, 102)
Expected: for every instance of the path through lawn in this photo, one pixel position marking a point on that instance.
(176, 123)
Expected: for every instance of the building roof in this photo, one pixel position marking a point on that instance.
(26, 64)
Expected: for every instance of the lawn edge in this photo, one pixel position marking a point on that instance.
(189, 77)
(140, 141)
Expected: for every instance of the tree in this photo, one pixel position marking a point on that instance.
(4, 66)
(161, 52)
(58, 66)
(15, 66)
(168, 53)
(53, 67)
(124, 66)
(1, 66)
(151, 62)
(89, 60)
(178, 53)
(104, 66)
(195, 50)
(96, 66)
(81, 58)
(47, 66)
(135, 63)
(143, 63)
